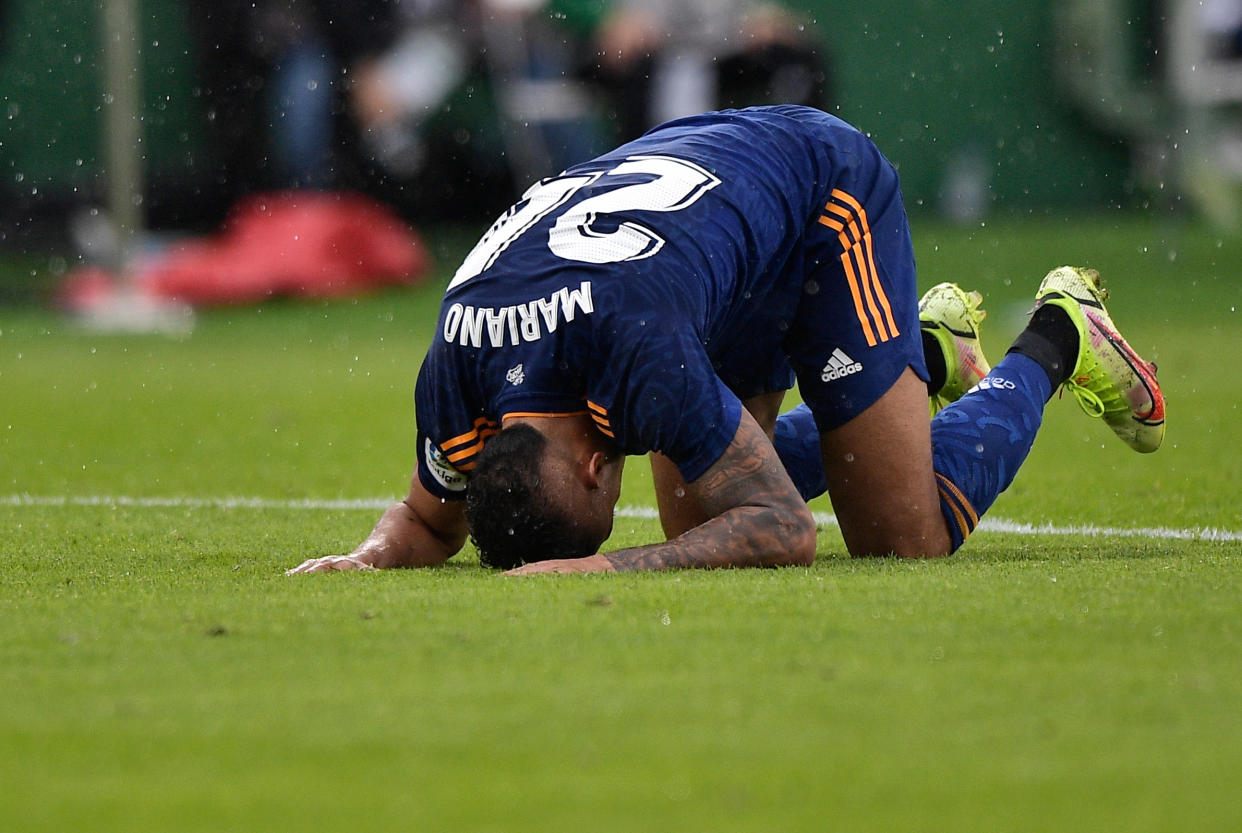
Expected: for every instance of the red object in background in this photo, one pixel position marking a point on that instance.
(289, 243)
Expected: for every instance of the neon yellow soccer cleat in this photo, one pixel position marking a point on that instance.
(1110, 380)
(953, 316)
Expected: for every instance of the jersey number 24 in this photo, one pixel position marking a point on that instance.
(674, 184)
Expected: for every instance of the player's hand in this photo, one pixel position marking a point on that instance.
(330, 563)
(590, 564)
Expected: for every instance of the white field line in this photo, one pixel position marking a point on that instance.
(379, 504)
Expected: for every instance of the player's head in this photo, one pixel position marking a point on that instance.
(527, 502)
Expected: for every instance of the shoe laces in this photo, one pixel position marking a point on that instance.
(1091, 404)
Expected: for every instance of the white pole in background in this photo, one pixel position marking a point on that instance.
(123, 127)
(120, 230)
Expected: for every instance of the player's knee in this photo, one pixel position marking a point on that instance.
(924, 549)
(899, 550)
(931, 542)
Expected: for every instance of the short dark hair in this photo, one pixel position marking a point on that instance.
(510, 518)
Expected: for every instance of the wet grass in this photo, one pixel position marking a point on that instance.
(161, 673)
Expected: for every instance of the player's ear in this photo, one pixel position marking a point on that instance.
(594, 469)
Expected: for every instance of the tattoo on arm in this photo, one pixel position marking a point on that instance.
(757, 517)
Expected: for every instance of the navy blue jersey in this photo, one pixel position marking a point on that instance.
(658, 285)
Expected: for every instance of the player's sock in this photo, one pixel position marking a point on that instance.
(1052, 341)
(933, 355)
(979, 441)
(797, 444)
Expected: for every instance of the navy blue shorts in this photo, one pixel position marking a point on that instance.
(855, 328)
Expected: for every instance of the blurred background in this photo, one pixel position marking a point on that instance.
(130, 122)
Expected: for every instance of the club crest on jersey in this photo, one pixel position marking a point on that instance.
(442, 470)
(516, 375)
(839, 366)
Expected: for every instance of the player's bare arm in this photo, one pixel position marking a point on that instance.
(679, 511)
(757, 519)
(420, 531)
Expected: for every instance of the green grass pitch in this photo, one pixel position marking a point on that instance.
(1077, 666)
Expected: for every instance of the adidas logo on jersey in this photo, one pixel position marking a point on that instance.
(839, 366)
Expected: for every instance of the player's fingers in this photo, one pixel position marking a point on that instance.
(590, 564)
(539, 568)
(304, 567)
(328, 564)
(347, 562)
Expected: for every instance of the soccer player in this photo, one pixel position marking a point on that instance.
(662, 298)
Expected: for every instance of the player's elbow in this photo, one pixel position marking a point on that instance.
(798, 536)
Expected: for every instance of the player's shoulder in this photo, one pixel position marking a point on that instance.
(771, 123)
(785, 147)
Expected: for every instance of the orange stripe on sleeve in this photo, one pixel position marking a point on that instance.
(600, 414)
(473, 449)
(471, 436)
